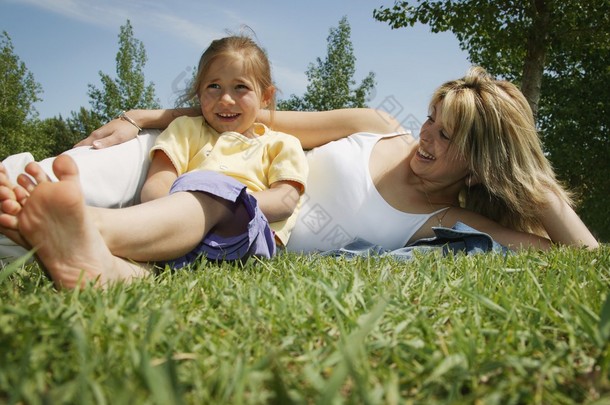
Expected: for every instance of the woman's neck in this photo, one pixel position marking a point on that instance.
(438, 194)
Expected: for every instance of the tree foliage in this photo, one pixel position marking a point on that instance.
(559, 52)
(331, 83)
(575, 124)
(58, 136)
(18, 93)
(129, 89)
(20, 129)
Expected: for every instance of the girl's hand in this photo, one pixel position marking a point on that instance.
(280, 200)
(113, 133)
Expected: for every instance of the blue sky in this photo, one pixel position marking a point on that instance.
(66, 43)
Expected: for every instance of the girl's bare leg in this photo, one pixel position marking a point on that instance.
(168, 227)
(56, 222)
(162, 229)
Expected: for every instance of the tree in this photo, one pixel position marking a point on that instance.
(18, 93)
(331, 81)
(575, 124)
(516, 39)
(558, 50)
(128, 90)
(58, 137)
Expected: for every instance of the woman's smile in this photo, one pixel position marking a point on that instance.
(424, 155)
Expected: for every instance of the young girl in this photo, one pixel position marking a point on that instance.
(242, 175)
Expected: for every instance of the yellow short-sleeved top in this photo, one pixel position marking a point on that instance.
(191, 144)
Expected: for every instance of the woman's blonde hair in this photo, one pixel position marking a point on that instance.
(257, 64)
(492, 127)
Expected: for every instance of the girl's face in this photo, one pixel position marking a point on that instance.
(432, 161)
(229, 97)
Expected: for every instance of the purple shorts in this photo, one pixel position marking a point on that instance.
(258, 240)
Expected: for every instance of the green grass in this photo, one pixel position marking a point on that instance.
(530, 328)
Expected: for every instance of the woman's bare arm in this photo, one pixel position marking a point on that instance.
(560, 221)
(514, 240)
(565, 226)
(317, 128)
(312, 128)
(118, 131)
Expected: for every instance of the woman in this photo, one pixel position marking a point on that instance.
(478, 160)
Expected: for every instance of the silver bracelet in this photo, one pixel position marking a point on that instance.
(124, 117)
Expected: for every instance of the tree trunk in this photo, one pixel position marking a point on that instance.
(537, 45)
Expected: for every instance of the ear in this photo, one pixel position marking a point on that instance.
(472, 180)
(267, 96)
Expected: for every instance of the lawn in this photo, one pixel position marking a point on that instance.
(529, 328)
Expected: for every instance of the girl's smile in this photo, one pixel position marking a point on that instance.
(229, 98)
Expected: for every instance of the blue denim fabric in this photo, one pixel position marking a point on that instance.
(459, 238)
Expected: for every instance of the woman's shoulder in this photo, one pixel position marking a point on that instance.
(371, 138)
(398, 137)
(390, 147)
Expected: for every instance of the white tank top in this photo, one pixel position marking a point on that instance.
(342, 204)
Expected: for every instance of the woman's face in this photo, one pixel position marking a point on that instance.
(433, 160)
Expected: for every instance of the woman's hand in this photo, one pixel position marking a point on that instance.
(113, 133)
(121, 130)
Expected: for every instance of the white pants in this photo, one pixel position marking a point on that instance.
(110, 177)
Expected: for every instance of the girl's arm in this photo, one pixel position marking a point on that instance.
(160, 177)
(279, 201)
(311, 128)
(565, 226)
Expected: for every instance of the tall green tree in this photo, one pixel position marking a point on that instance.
(129, 89)
(18, 93)
(516, 39)
(558, 51)
(331, 83)
(58, 137)
(574, 120)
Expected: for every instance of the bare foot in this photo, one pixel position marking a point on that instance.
(14, 196)
(10, 206)
(55, 221)
(36, 176)
(4, 176)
